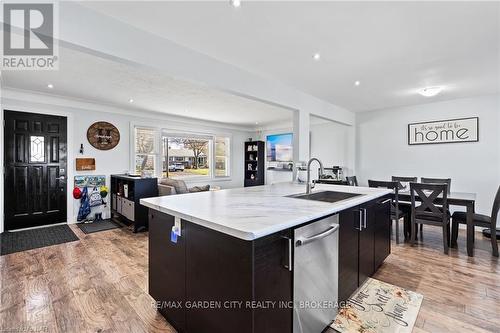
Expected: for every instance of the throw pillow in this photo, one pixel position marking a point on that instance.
(179, 185)
(199, 188)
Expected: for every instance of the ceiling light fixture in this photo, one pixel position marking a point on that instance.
(235, 3)
(316, 56)
(430, 91)
(50, 86)
(357, 83)
(131, 100)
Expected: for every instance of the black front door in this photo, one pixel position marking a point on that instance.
(35, 150)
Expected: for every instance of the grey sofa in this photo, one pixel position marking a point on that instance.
(168, 186)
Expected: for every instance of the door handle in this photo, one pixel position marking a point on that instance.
(61, 178)
(303, 241)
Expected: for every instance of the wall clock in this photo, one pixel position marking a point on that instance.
(103, 135)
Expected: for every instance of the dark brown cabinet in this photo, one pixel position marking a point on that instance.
(167, 273)
(350, 223)
(273, 282)
(364, 243)
(382, 231)
(126, 192)
(230, 274)
(367, 241)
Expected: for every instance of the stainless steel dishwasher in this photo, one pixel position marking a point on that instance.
(315, 288)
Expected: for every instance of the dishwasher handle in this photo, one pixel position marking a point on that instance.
(303, 241)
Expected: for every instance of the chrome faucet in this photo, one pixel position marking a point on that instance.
(309, 185)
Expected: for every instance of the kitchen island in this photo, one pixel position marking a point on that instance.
(235, 260)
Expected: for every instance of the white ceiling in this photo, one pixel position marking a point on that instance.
(393, 48)
(100, 80)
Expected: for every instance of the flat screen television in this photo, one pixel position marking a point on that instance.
(279, 147)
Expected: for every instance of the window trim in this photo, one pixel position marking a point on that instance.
(161, 131)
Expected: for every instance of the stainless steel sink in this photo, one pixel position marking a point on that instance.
(327, 196)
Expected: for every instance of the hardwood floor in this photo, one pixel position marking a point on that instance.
(461, 294)
(99, 284)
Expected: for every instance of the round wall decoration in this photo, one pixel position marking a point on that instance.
(103, 135)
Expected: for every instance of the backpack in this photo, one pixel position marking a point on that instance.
(95, 198)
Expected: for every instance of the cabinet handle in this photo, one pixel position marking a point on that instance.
(289, 264)
(360, 220)
(386, 201)
(364, 217)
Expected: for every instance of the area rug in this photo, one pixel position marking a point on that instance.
(97, 226)
(17, 241)
(379, 307)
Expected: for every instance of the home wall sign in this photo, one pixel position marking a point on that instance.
(83, 164)
(103, 135)
(444, 131)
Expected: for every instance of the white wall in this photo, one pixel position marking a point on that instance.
(382, 149)
(116, 161)
(334, 144)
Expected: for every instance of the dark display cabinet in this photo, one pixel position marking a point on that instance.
(254, 163)
(126, 191)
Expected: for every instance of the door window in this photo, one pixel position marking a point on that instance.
(37, 149)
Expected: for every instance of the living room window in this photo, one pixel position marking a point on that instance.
(194, 156)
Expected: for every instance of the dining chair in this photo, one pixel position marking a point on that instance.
(352, 180)
(396, 213)
(446, 181)
(480, 220)
(406, 206)
(402, 180)
(430, 211)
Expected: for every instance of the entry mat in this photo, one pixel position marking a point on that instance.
(97, 226)
(379, 307)
(24, 240)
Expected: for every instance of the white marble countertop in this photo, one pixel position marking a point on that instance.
(253, 212)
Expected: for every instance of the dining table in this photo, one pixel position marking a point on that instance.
(463, 199)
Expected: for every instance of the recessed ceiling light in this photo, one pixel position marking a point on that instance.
(256, 123)
(131, 100)
(357, 83)
(235, 3)
(430, 91)
(316, 56)
(50, 86)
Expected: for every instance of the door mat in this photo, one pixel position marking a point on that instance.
(101, 225)
(379, 307)
(17, 241)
